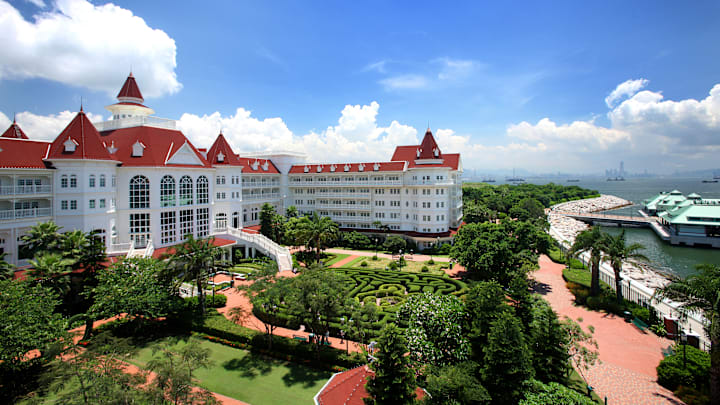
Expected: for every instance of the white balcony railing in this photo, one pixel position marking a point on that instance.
(346, 183)
(138, 121)
(25, 190)
(25, 213)
(254, 197)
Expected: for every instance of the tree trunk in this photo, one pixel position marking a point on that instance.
(89, 321)
(201, 295)
(594, 277)
(317, 249)
(618, 287)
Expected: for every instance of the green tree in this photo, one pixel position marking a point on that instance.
(268, 294)
(29, 322)
(590, 240)
(394, 243)
(455, 384)
(135, 287)
(316, 231)
(267, 214)
(701, 292)
(538, 393)
(393, 381)
(42, 237)
(474, 212)
(526, 209)
(485, 302)
(7, 270)
(317, 297)
(174, 373)
(52, 270)
(507, 360)
(434, 333)
(521, 299)
(581, 346)
(617, 252)
(291, 212)
(548, 342)
(193, 260)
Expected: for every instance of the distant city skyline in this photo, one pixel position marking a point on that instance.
(573, 88)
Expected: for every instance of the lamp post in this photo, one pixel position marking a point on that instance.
(683, 338)
(376, 247)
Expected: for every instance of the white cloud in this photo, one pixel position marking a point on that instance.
(412, 81)
(37, 3)
(455, 69)
(626, 89)
(377, 66)
(81, 44)
(43, 127)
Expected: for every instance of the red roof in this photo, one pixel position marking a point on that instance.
(408, 153)
(348, 388)
(21, 153)
(395, 166)
(228, 156)
(219, 242)
(429, 148)
(130, 89)
(160, 145)
(86, 138)
(14, 131)
(249, 165)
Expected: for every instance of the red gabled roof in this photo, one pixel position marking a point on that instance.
(348, 388)
(14, 131)
(352, 167)
(21, 153)
(130, 89)
(248, 162)
(428, 147)
(160, 145)
(222, 146)
(408, 153)
(85, 136)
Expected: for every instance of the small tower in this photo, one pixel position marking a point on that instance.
(130, 102)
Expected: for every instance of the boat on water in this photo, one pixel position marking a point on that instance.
(573, 180)
(488, 180)
(713, 180)
(619, 178)
(515, 179)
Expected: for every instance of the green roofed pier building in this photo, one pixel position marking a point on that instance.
(689, 220)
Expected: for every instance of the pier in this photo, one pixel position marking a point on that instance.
(609, 219)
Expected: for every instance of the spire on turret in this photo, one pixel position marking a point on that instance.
(130, 92)
(14, 131)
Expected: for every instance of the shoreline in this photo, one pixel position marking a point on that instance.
(567, 228)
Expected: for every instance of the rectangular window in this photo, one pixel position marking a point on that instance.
(167, 227)
(102, 203)
(92, 204)
(73, 181)
(73, 204)
(114, 181)
(102, 180)
(186, 223)
(140, 228)
(203, 222)
(64, 182)
(63, 205)
(92, 181)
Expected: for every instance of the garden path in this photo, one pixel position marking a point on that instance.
(626, 374)
(345, 261)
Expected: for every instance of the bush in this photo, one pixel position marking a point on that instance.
(363, 264)
(393, 266)
(424, 269)
(218, 301)
(374, 258)
(672, 372)
(431, 262)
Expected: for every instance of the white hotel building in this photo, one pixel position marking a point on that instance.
(135, 178)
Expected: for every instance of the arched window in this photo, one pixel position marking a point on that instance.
(139, 192)
(186, 190)
(92, 180)
(73, 181)
(202, 190)
(102, 180)
(167, 191)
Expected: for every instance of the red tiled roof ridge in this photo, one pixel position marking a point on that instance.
(14, 132)
(221, 145)
(428, 146)
(130, 89)
(81, 131)
(23, 153)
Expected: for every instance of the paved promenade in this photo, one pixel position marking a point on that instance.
(626, 374)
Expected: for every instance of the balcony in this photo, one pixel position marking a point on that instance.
(316, 183)
(7, 215)
(444, 182)
(138, 121)
(251, 184)
(255, 197)
(26, 190)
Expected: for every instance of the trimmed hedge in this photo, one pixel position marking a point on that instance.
(218, 301)
(674, 372)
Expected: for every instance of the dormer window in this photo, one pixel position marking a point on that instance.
(220, 157)
(255, 165)
(418, 152)
(319, 168)
(138, 149)
(436, 152)
(266, 166)
(361, 167)
(70, 145)
(332, 168)
(376, 167)
(112, 149)
(306, 169)
(346, 168)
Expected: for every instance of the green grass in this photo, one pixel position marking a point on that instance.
(576, 383)
(579, 276)
(338, 257)
(250, 377)
(410, 266)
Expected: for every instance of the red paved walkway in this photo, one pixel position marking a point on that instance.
(629, 357)
(345, 261)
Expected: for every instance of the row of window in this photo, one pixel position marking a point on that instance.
(174, 225)
(140, 191)
(71, 181)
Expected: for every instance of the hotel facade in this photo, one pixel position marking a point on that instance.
(138, 181)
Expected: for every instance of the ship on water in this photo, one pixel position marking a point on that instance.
(617, 178)
(515, 179)
(573, 180)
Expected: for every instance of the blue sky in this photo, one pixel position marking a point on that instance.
(485, 75)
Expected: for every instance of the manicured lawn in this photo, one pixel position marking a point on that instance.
(578, 384)
(252, 378)
(337, 258)
(409, 267)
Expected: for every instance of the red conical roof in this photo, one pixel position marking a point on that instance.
(429, 146)
(86, 138)
(221, 146)
(14, 131)
(130, 90)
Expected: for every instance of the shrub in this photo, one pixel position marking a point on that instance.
(218, 301)
(373, 258)
(363, 264)
(393, 266)
(424, 269)
(672, 371)
(431, 262)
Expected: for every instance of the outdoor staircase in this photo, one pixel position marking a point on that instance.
(280, 253)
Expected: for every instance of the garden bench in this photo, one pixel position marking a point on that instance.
(300, 338)
(640, 324)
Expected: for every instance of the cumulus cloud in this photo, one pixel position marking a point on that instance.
(82, 44)
(625, 89)
(43, 127)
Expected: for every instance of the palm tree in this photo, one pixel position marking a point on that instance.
(43, 237)
(52, 269)
(7, 270)
(193, 260)
(617, 251)
(701, 292)
(318, 231)
(590, 240)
